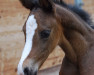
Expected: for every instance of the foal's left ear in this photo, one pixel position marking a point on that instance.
(46, 5)
(29, 4)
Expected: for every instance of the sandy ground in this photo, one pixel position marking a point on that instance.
(50, 71)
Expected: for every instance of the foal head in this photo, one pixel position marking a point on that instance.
(42, 32)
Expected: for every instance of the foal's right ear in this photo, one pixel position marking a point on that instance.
(29, 4)
(46, 5)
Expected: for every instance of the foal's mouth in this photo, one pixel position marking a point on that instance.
(29, 72)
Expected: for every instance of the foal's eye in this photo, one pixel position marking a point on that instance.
(45, 34)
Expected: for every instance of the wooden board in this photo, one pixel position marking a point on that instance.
(12, 18)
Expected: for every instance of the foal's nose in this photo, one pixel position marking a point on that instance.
(29, 72)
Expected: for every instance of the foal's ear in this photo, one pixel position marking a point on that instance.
(29, 4)
(46, 5)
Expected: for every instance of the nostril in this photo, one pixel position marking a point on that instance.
(29, 72)
(35, 73)
(26, 71)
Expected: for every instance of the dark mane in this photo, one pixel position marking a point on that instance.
(30, 4)
(92, 26)
(82, 13)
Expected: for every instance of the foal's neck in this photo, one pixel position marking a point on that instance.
(75, 34)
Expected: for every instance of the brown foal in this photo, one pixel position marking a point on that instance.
(49, 25)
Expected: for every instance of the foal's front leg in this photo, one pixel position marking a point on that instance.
(68, 68)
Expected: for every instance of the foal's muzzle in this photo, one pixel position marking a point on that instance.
(29, 72)
(28, 68)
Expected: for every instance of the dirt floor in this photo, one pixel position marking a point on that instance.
(50, 71)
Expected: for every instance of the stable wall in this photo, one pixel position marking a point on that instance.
(12, 17)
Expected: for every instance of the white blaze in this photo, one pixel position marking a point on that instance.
(31, 26)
